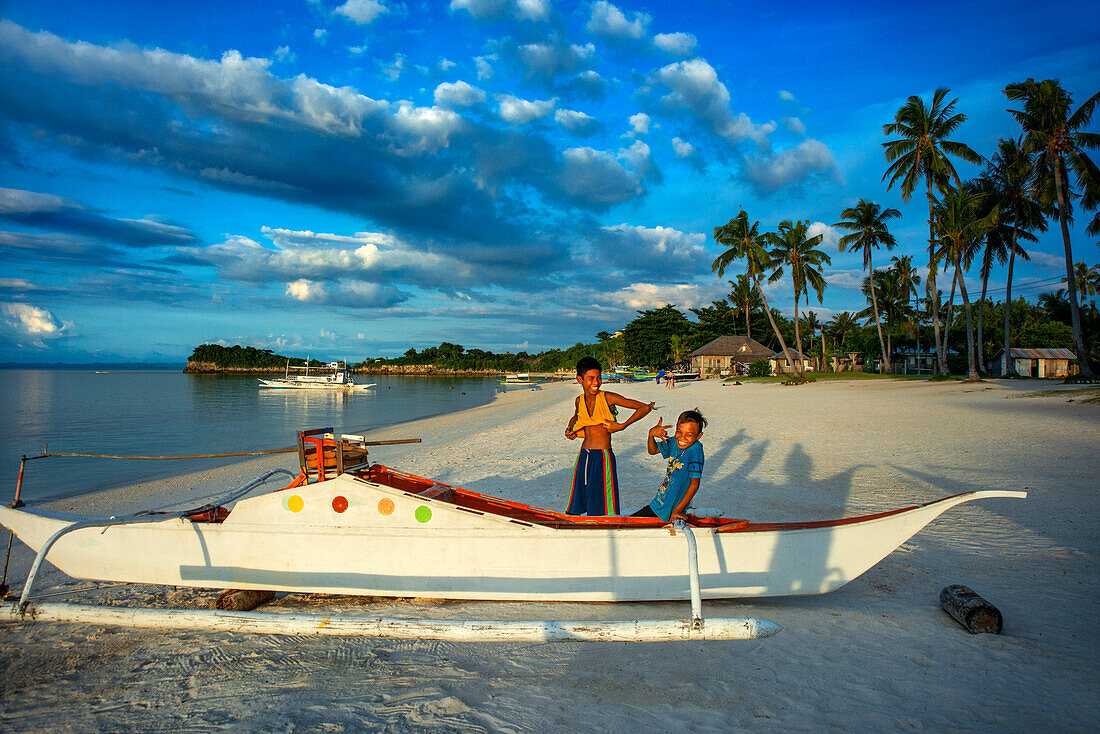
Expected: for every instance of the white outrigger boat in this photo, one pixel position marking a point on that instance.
(340, 378)
(347, 526)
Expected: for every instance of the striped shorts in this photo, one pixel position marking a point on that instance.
(595, 484)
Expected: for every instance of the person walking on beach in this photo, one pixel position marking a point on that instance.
(685, 466)
(595, 488)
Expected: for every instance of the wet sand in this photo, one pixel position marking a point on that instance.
(878, 654)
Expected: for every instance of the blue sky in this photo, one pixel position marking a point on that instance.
(351, 179)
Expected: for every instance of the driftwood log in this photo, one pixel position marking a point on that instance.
(243, 600)
(970, 610)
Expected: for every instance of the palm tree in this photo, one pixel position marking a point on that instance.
(922, 152)
(907, 282)
(1087, 279)
(1012, 175)
(744, 242)
(1000, 238)
(792, 247)
(892, 298)
(813, 324)
(1056, 138)
(960, 229)
(866, 223)
(841, 325)
(745, 300)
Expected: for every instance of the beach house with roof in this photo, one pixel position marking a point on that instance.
(728, 354)
(780, 365)
(1048, 362)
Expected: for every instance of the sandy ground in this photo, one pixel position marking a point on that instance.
(877, 655)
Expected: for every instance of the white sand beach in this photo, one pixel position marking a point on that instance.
(877, 655)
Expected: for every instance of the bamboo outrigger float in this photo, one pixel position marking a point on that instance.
(346, 526)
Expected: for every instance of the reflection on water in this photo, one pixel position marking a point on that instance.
(161, 412)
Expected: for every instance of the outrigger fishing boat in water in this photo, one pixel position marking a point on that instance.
(346, 526)
(340, 378)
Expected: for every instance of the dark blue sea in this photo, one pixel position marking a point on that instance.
(158, 412)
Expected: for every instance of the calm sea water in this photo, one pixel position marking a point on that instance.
(167, 412)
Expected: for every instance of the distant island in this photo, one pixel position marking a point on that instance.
(446, 359)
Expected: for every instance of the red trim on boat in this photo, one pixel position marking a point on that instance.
(406, 482)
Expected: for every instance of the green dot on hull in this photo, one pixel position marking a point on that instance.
(423, 513)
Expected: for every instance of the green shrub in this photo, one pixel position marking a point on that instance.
(760, 368)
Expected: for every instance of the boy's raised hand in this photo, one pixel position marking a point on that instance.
(659, 431)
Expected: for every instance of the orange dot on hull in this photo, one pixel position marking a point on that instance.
(339, 504)
(385, 506)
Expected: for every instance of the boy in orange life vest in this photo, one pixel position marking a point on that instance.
(595, 482)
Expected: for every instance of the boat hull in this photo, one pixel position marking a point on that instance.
(351, 536)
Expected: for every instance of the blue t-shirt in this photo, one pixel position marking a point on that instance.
(683, 466)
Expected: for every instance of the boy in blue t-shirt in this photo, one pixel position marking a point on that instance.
(685, 466)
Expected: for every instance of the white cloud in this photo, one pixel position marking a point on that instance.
(694, 85)
(18, 284)
(362, 12)
(595, 176)
(1046, 260)
(639, 123)
(608, 21)
(306, 291)
(786, 96)
(306, 260)
(284, 55)
(682, 148)
(642, 296)
(847, 279)
(677, 44)
(320, 35)
(640, 158)
(576, 122)
(794, 125)
(18, 201)
(773, 172)
(394, 70)
(30, 321)
(521, 111)
(459, 94)
(549, 59)
(446, 64)
(830, 235)
(534, 10)
(484, 70)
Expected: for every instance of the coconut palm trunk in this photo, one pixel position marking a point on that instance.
(981, 316)
(1071, 281)
(878, 323)
(949, 316)
(1010, 365)
(771, 318)
(972, 374)
(941, 361)
(798, 335)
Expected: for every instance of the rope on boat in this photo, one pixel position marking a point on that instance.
(263, 452)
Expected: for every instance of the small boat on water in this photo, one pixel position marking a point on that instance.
(519, 379)
(338, 378)
(348, 526)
